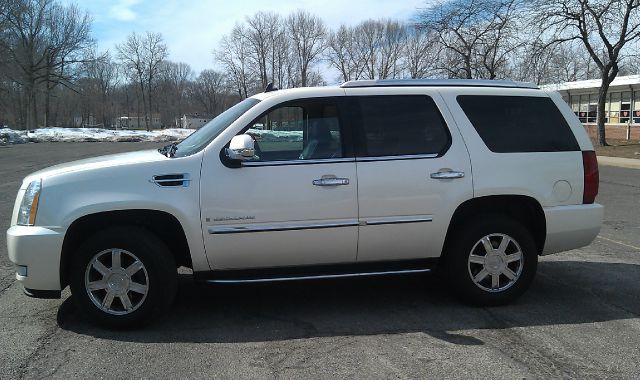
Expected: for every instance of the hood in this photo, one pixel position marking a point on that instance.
(111, 160)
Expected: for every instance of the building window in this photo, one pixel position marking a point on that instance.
(625, 107)
(614, 112)
(636, 107)
(584, 108)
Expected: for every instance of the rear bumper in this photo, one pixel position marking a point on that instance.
(36, 253)
(571, 227)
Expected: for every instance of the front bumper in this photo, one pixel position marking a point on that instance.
(36, 253)
(571, 227)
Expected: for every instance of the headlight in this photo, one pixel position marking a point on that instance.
(29, 205)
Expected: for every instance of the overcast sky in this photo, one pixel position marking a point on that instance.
(192, 29)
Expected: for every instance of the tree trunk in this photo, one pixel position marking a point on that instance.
(144, 106)
(149, 109)
(47, 104)
(32, 111)
(601, 116)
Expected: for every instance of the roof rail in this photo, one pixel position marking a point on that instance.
(437, 83)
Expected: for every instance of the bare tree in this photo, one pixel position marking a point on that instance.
(261, 33)
(605, 28)
(392, 44)
(42, 42)
(67, 43)
(420, 52)
(141, 57)
(175, 78)
(541, 63)
(476, 36)
(307, 33)
(502, 39)
(102, 76)
(209, 91)
(369, 36)
(341, 53)
(233, 54)
(280, 55)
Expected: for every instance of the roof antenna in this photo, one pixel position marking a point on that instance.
(270, 87)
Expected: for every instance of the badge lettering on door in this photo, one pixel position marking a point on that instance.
(229, 218)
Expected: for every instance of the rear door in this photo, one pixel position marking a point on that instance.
(413, 170)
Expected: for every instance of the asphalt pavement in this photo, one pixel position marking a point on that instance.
(580, 319)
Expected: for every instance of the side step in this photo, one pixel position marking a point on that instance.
(317, 277)
(316, 272)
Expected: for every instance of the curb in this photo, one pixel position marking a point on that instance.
(629, 163)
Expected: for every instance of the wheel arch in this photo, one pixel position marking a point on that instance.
(161, 223)
(522, 208)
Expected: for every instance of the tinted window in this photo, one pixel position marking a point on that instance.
(301, 130)
(510, 124)
(401, 125)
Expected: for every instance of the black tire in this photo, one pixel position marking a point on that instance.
(460, 272)
(159, 275)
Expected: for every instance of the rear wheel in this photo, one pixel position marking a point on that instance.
(123, 277)
(491, 261)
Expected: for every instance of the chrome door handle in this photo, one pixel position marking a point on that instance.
(331, 181)
(449, 174)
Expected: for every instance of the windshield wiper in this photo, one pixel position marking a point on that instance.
(169, 150)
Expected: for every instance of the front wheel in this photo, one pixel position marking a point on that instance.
(123, 277)
(491, 260)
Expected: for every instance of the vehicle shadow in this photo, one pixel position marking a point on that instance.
(564, 292)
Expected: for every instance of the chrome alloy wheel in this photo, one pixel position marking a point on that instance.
(495, 262)
(116, 281)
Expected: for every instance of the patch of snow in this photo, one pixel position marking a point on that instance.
(10, 136)
(273, 136)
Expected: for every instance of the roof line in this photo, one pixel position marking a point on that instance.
(437, 83)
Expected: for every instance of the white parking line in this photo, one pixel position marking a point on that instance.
(619, 242)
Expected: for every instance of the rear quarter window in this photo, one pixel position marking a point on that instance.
(510, 124)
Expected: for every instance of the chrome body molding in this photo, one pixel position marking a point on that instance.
(292, 226)
(297, 162)
(162, 181)
(320, 276)
(289, 226)
(396, 220)
(337, 160)
(393, 158)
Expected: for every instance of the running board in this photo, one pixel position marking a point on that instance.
(317, 277)
(316, 272)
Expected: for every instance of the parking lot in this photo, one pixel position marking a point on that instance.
(580, 319)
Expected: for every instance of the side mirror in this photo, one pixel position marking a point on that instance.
(241, 148)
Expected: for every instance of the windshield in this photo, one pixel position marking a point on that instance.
(203, 136)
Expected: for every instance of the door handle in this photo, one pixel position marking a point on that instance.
(447, 174)
(331, 182)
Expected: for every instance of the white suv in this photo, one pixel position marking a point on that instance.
(476, 178)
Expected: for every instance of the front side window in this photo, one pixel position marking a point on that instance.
(300, 130)
(400, 125)
(203, 136)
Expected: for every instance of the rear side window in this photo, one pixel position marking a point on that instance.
(509, 124)
(401, 125)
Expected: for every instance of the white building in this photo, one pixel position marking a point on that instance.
(194, 121)
(623, 101)
(135, 121)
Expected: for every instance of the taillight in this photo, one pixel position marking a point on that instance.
(591, 176)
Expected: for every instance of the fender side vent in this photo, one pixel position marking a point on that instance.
(172, 180)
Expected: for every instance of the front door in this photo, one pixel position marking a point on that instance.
(294, 203)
